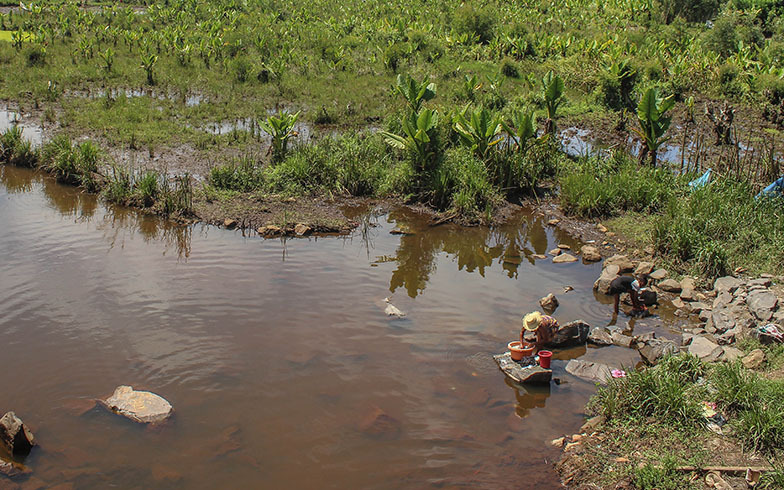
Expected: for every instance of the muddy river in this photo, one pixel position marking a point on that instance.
(277, 356)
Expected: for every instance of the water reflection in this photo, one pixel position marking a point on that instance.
(529, 397)
(473, 249)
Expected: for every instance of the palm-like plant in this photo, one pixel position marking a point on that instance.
(522, 130)
(417, 137)
(108, 58)
(552, 91)
(479, 130)
(281, 129)
(148, 63)
(653, 122)
(414, 92)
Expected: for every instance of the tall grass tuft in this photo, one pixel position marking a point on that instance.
(15, 150)
(603, 187)
(71, 163)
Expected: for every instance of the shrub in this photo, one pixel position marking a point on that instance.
(474, 21)
(691, 10)
(509, 68)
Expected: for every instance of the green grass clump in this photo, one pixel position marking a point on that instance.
(603, 187)
(461, 183)
(721, 226)
(75, 164)
(666, 392)
(346, 165)
(243, 175)
(15, 150)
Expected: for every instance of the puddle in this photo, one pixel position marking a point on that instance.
(30, 131)
(276, 354)
(190, 100)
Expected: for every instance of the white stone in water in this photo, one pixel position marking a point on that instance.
(139, 406)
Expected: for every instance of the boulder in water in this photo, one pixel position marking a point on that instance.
(15, 434)
(139, 406)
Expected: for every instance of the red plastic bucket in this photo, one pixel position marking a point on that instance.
(544, 358)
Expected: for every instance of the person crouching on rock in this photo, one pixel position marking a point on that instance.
(544, 326)
(628, 284)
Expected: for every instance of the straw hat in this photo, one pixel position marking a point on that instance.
(532, 320)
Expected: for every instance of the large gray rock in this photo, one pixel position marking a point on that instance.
(139, 406)
(15, 434)
(600, 336)
(705, 349)
(688, 282)
(589, 371)
(723, 320)
(609, 273)
(653, 350)
(644, 268)
(658, 274)
(670, 285)
(727, 284)
(530, 374)
(573, 333)
(623, 262)
(688, 294)
(722, 300)
(762, 304)
(590, 253)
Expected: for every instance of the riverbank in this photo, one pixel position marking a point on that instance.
(694, 418)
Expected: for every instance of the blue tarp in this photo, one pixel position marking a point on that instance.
(775, 189)
(701, 181)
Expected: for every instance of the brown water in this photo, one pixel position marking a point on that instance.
(274, 353)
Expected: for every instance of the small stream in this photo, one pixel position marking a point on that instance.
(276, 354)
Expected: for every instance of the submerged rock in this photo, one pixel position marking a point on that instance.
(139, 406)
(589, 371)
(15, 434)
(379, 424)
(12, 469)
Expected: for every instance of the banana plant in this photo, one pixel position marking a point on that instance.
(653, 122)
(148, 63)
(522, 130)
(108, 58)
(479, 130)
(414, 93)
(417, 137)
(471, 85)
(552, 91)
(281, 129)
